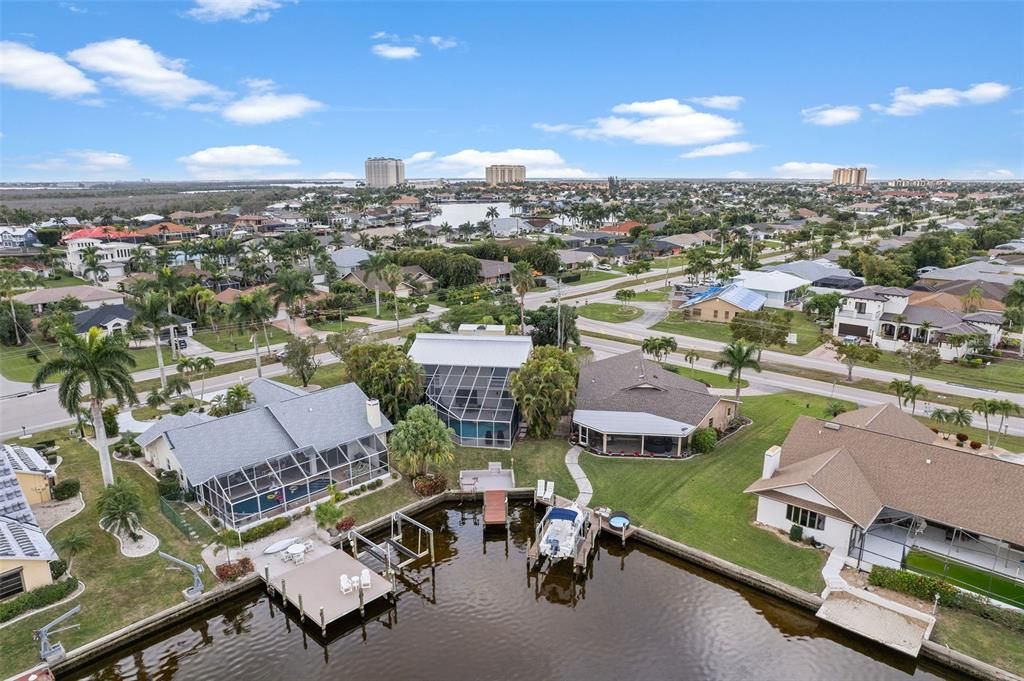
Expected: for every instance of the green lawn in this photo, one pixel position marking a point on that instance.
(326, 376)
(807, 332)
(16, 365)
(968, 577)
(236, 341)
(66, 280)
(700, 502)
(657, 295)
(1013, 443)
(147, 413)
(610, 312)
(531, 459)
(143, 387)
(334, 326)
(593, 276)
(712, 379)
(119, 590)
(981, 639)
(1005, 374)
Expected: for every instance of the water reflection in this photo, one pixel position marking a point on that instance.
(481, 614)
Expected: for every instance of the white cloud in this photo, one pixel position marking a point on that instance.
(829, 115)
(266, 106)
(906, 102)
(1000, 174)
(724, 149)
(420, 157)
(805, 170)
(556, 127)
(737, 174)
(249, 11)
(24, 68)
(384, 35)
(78, 163)
(242, 161)
(662, 121)
(337, 175)
(140, 70)
(730, 102)
(442, 43)
(470, 163)
(387, 51)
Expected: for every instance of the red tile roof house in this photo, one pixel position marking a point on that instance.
(621, 227)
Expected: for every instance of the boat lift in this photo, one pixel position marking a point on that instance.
(196, 590)
(393, 552)
(54, 653)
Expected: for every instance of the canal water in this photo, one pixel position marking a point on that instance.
(638, 615)
(457, 213)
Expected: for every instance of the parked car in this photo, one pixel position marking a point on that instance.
(604, 267)
(180, 343)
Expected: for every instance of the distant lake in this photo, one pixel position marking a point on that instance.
(457, 213)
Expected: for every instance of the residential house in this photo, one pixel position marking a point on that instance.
(17, 237)
(628, 405)
(148, 218)
(1001, 270)
(467, 384)
(621, 228)
(780, 290)
(25, 553)
(114, 320)
(89, 296)
(717, 303)
(824, 276)
(34, 475)
(494, 272)
(875, 484)
(572, 260)
(113, 256)
(277, 458)
(688, 241)
(884, 317)
(166, 231)
(349, 258)
(414, 280)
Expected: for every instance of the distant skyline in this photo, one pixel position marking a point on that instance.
(259, 89)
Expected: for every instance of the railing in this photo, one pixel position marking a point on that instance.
(171, 514)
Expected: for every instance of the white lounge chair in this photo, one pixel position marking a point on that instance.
(346, 584)
(364, 579)
(540, 490)
(299, 558)
(549, 490)
(308, 544)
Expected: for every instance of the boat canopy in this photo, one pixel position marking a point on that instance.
(562, 514)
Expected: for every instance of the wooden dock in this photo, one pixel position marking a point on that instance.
(496, 508)
(588, 545)
(616, 532)
(314, 588)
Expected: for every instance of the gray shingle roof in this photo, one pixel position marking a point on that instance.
(170, 422)
(629, 382)
(810, 270)
(104, 314)
(322, 420)
(266, 391)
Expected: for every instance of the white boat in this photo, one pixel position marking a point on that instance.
(561, 531)
(279, 546)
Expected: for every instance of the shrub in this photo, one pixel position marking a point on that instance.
(422, 307)
(230, 537)
(704, 440)
(181, 408)
(65, 489)
(229, 572)
(57, 568)
(962, 437)
(913, 584)
(796, 532)
(362, 488)
(37, 598)
(429, 485)
(975, 444)
(934, 430)
(33, 355)
(110, 420)
(52, 459)
(327, 514)
(169, 486)
(345, 524)
(442, 294)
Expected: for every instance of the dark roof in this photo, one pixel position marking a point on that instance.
(615, 249)
(494, 268)
(630, 382)
(104, 314)
(879, 293)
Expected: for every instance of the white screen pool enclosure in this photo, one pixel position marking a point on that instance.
(292, 480)
(475, 402)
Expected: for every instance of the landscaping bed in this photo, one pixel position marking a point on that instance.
(610, 312)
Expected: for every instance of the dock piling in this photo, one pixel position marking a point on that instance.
(284, 592)
(302, 611)
(323, 623)
(362, 606)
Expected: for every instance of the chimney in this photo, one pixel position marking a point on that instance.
(771, 462)
(373, 413)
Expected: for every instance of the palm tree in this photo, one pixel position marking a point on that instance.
(203, 366)
(986, 408)
(392, 278)
(492, 215)
(102, 365)
(289, 287)
(899, 387)
(171, 283)
(120, 508)
(187, 367)
(942, 417)
(912, 394)
(960, 417)
(736, 357)
(155, 398)
(691, 358)
(151, 312)
(93, 266)
(10, 282)
(522, 280)
(252, 310)
(373, 267)
(1004, 408)
(72, 543)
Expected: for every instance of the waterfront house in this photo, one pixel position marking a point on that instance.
(467, 383)
(25, 553)
(877, 485)
(279, 457)
(629, 405)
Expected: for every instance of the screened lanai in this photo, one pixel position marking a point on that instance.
(292, 480)
(475, 402)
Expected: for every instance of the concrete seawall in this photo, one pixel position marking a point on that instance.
(132, 634)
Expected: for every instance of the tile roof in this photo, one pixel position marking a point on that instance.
(86, 294)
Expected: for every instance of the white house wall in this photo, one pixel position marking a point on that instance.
(836, 533)
(807, 494)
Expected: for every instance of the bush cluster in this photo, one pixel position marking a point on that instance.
(37, 598)
(169, 486)
(796, 532)
(345, 524)
(704, 440)
(975, 444)
(429, 485)
(229, 572)
(230, 537)
(65, 489)
(57, 568)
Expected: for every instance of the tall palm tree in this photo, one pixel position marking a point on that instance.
(1005, 408)
(252, 310)
(10, 282)
(203, 366)
(71, 544)
(899, 388)
(373, 267)
(736, 357)
(522, 280)
(93, 266)
(151, 312)
(102, 365)
(691, 358)
(392, 277)
(289, 287)
(171, 283)
(913, 393)
(492, 215)
(986, 408)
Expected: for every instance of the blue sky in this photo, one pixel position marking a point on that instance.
(223, 89)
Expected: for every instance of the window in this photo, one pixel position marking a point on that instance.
(805, 518)
(716, 314)
(861, 308)
(726, 314)
(11, 583)
(696, 312)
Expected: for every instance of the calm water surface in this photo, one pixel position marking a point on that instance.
(639, 615)
(457, 213)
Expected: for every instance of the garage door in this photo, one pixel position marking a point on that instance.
(853, 330)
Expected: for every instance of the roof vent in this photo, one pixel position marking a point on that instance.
(832, 426)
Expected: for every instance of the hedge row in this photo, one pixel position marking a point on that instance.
(37, 598)
(230, 537)
(925, 588)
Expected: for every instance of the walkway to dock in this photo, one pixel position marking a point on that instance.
(572, 462)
